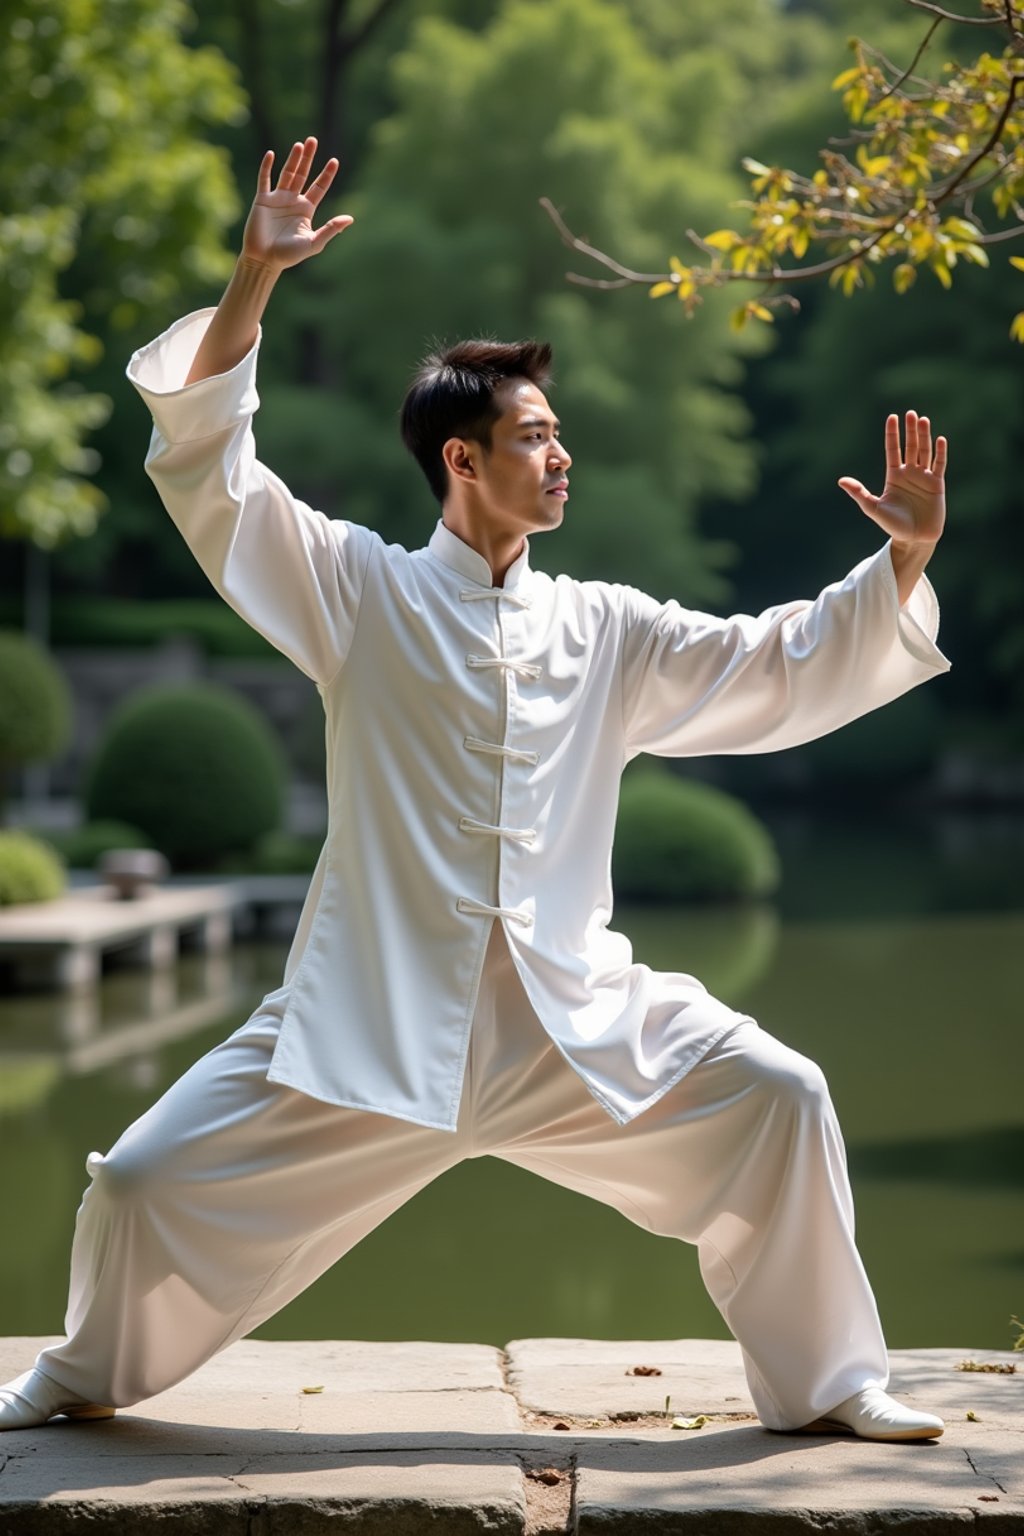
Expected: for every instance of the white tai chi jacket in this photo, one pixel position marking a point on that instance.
(475, 740)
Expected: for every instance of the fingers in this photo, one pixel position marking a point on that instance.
(296, 169)
(920, 453)
(912, 438)
(924, 443)
(318, 188)
(893, 457)
(266, 166)
(860, 493)
(328, 231)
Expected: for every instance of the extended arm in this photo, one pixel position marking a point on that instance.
(278, 233)
(293, 573)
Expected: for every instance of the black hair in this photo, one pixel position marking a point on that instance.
(453, 395)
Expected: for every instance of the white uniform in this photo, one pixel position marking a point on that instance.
(458, 914)
(475, 740)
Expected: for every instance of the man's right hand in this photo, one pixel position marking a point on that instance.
(279, 231)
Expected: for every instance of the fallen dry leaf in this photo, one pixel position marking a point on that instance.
(644, 1370)
(988, 1498)
(697, 1423)
(996, 1367)
(560, 1425)
(972, 1416)
(312, 1389)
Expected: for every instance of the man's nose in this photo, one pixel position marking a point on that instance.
(561, 457)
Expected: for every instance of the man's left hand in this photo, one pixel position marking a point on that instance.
(912, 507)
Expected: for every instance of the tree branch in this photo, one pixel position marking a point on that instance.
(943, 194)
(967, 21)
(353, 41)
(936, 23)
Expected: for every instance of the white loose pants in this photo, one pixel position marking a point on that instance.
(232, 1194)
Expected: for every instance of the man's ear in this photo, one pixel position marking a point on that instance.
(458, 460)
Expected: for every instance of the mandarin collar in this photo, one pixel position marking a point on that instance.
(455, 553)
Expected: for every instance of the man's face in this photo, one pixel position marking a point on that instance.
(520, 483)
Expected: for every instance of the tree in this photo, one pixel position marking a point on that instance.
(449, 241)
(929, 173)
(108, 187)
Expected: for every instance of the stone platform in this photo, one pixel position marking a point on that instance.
(547, 1436)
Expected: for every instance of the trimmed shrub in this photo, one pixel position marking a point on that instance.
(278, 853)
(30, 870)
(85, 844)
(194, 767)
(35, 703)
(680, 840)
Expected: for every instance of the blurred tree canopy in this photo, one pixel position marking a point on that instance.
(925, 162)
(705, 460)
(106, 172)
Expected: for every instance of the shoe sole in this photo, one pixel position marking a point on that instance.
(88, 1411)
(835, 1427)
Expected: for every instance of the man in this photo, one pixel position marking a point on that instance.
(453, 988)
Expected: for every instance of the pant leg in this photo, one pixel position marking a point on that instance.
(743, 1158)
(213, 1210)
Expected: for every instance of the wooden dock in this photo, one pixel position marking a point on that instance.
(63, 941)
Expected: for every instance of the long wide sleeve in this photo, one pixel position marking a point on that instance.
(292, 573)
(694, 684)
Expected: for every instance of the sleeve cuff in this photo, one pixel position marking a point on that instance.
(183, 412)
(917, 620)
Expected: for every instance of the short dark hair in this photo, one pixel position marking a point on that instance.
(453, 395)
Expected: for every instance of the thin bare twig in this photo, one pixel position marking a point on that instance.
(589, 250)
(936, 22)
(967, 21)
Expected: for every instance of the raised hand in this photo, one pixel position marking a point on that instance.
(279, 231)
(912, 507)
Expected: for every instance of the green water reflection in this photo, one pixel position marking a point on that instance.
(912, 1009)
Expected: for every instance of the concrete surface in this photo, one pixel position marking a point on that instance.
(445, 1439)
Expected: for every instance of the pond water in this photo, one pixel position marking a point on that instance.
(893, 956)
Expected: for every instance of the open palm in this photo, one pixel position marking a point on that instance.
(279, 230)
(912, 506)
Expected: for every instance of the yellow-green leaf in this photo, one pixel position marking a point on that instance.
(695, 1423)
(738, 318)
(1018, 262)
(904, 277)
(1017, 334)
(942, 273)
(309, 1390)
(659, 290)
(846, 77)
(723, 239)
(678, 268)
(761, 311)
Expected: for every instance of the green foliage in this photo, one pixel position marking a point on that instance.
(570, 98)
(680, 840)
(30, 870)
(105, 172)
(195, 767)
(277, 853)
(82, 846)
(35, 704)
(118, 623)
(931, 161)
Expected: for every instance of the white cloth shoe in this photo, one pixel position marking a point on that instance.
(32, 1398)
(872, 1414)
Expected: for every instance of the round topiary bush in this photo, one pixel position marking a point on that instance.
(30, 870)
(679, 840)
(194, 767)
(35, 703)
